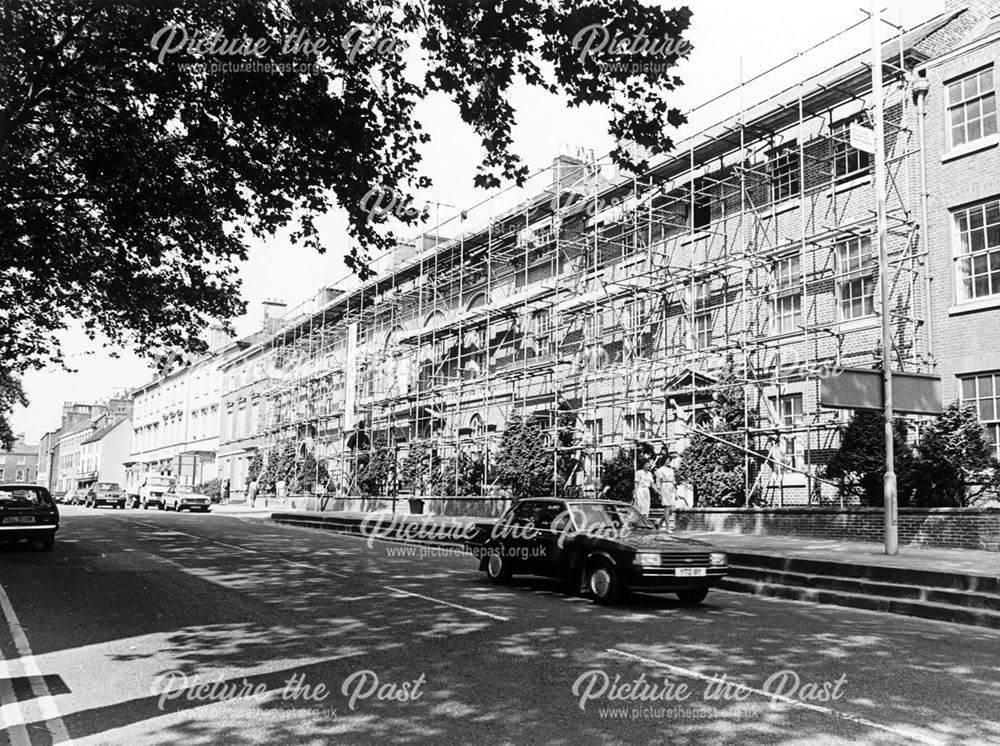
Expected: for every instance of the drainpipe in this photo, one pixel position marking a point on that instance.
(920, 89)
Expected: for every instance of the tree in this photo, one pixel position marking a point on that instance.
(374, 468)
(459, 475)
(524, 458)
(618, 476)
(140, 149)
(953, 448)
(418, 471)
(859, 463)
(713, 462)
(11, 394)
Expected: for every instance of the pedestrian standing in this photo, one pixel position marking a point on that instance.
(252, 492)
(225, 492)
(666, 485)
(643, 481)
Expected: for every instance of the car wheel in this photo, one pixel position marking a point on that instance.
(161, 506)
(603, 583)
(498, 569)
(694, 596)
(48, 542)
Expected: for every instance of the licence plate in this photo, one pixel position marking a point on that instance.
(19, 519)
(689, 572)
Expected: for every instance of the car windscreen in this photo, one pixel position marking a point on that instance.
(590, 516)
(21, 497)
(184, 489)
(107, 487)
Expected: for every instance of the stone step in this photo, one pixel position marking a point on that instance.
(905, 607)
(861, 586)
(956, 581)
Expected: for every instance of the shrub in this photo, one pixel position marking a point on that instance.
(212, 489)
(524, 458)
(953, 448)
(713, 463)
(858, 466)
(618, 476)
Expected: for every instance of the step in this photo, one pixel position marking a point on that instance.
(966, 599)
(958, 581)
(904, 607)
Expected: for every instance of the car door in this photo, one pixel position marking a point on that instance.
(547, 549)
(522, 537)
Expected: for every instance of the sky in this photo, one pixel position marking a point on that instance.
(727, 36)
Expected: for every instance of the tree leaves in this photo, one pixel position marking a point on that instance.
(130, 176)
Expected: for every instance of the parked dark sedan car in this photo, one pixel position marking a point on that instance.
(600, 547)
(105, 493)
(28, 512)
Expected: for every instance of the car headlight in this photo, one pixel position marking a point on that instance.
(647, 559)
(718, 558)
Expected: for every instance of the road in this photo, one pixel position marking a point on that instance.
(156, 628)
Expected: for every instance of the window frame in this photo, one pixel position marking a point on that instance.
(847, 277)
(783, 161)
(979, 97)
(786, 286)
(992, 424)
(965, 251)
(840, 134)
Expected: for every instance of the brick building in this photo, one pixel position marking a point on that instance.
(19, 463)
(962, 162)
(623, 305)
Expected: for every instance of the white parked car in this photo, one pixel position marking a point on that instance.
(181, 496)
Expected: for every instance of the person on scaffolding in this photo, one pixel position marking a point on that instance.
(643, 481)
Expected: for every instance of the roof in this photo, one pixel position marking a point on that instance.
(841, 82)
(100, 433)
(81, 426)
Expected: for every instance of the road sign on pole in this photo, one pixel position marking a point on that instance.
(861, 388)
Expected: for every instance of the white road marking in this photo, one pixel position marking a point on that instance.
(920, 738)
(43, 697)
(11, 715)
(448, 603)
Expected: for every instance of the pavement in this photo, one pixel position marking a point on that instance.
(146, 627)
(933, 559)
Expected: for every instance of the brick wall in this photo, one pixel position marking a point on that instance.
(967, 528)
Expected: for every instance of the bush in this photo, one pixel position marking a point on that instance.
(618, 476)
(858, 466)
(713, 463)
(953, 448)
(524, 458)
(374, 469)
(211, 488)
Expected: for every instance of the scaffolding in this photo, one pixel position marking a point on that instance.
(626, 303)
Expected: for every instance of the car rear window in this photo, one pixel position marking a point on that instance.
(23, 496)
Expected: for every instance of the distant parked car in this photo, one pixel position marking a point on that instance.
(28, 512)
(152, 490)
(73, 496)
(181, 496)
(602, 547)
(105, 493)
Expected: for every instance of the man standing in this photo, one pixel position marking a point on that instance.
(667, 487)
(252, 492)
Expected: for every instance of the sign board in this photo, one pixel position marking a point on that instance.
(862, 138)
(861, 388)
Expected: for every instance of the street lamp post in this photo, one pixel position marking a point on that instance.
(889, 483)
